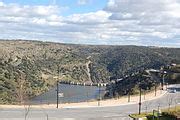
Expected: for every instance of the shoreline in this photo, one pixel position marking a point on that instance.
(134, 99)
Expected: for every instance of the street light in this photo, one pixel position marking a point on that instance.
(128, 95)
(57, 90)
(163, 74)
(129, 92)
(140, 93)
(155, 89)
(140, 99)
(99, 85)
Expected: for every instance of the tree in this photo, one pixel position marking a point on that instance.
(21, 90)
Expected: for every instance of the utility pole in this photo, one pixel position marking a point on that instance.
(129, 96)
(155, 89)
(166, 86)
(57, 90)
(140, 92)
(129, 93)
(144, 94)
(140, 100)
(163, 81)
(163, 74)
(99, 85)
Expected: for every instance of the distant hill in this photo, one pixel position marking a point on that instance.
(28, 68)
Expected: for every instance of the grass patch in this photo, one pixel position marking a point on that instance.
(167, 114)
(173, 111)
(140, 115)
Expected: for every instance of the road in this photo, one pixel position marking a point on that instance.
(93, 113)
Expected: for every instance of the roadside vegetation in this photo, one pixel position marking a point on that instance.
(166, 114)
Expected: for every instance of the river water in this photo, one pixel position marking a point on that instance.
(69, 94)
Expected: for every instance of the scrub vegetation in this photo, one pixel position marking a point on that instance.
(29, 68)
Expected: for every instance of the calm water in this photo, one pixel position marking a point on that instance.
(71, 93)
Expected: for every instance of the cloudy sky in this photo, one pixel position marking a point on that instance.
(109, 22)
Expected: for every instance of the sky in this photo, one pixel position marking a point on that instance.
(97, 22)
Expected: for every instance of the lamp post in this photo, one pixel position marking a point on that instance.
(129, 96)
(140, 99)
(144, 94)
(140, 93)
(155, 89)
(129, 90)
(57, 90)
(163, 74)
(99, 86)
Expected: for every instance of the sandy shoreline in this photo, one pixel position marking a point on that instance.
(103, 103)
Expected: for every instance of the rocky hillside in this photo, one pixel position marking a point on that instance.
(28, 68)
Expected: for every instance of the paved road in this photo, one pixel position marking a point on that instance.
(95, 113)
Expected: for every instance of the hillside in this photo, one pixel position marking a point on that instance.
(28, 68)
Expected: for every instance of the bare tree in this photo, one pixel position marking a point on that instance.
(26, 110)
(22, 93)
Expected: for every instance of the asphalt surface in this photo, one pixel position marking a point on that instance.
(92, 113)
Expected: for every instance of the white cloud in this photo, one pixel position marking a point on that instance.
(136, 22)
(153, 19)
(83, 2)
(45, 22)
(27, 11)
(1, 4)
(88, 18)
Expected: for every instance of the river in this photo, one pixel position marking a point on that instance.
(69, 94)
